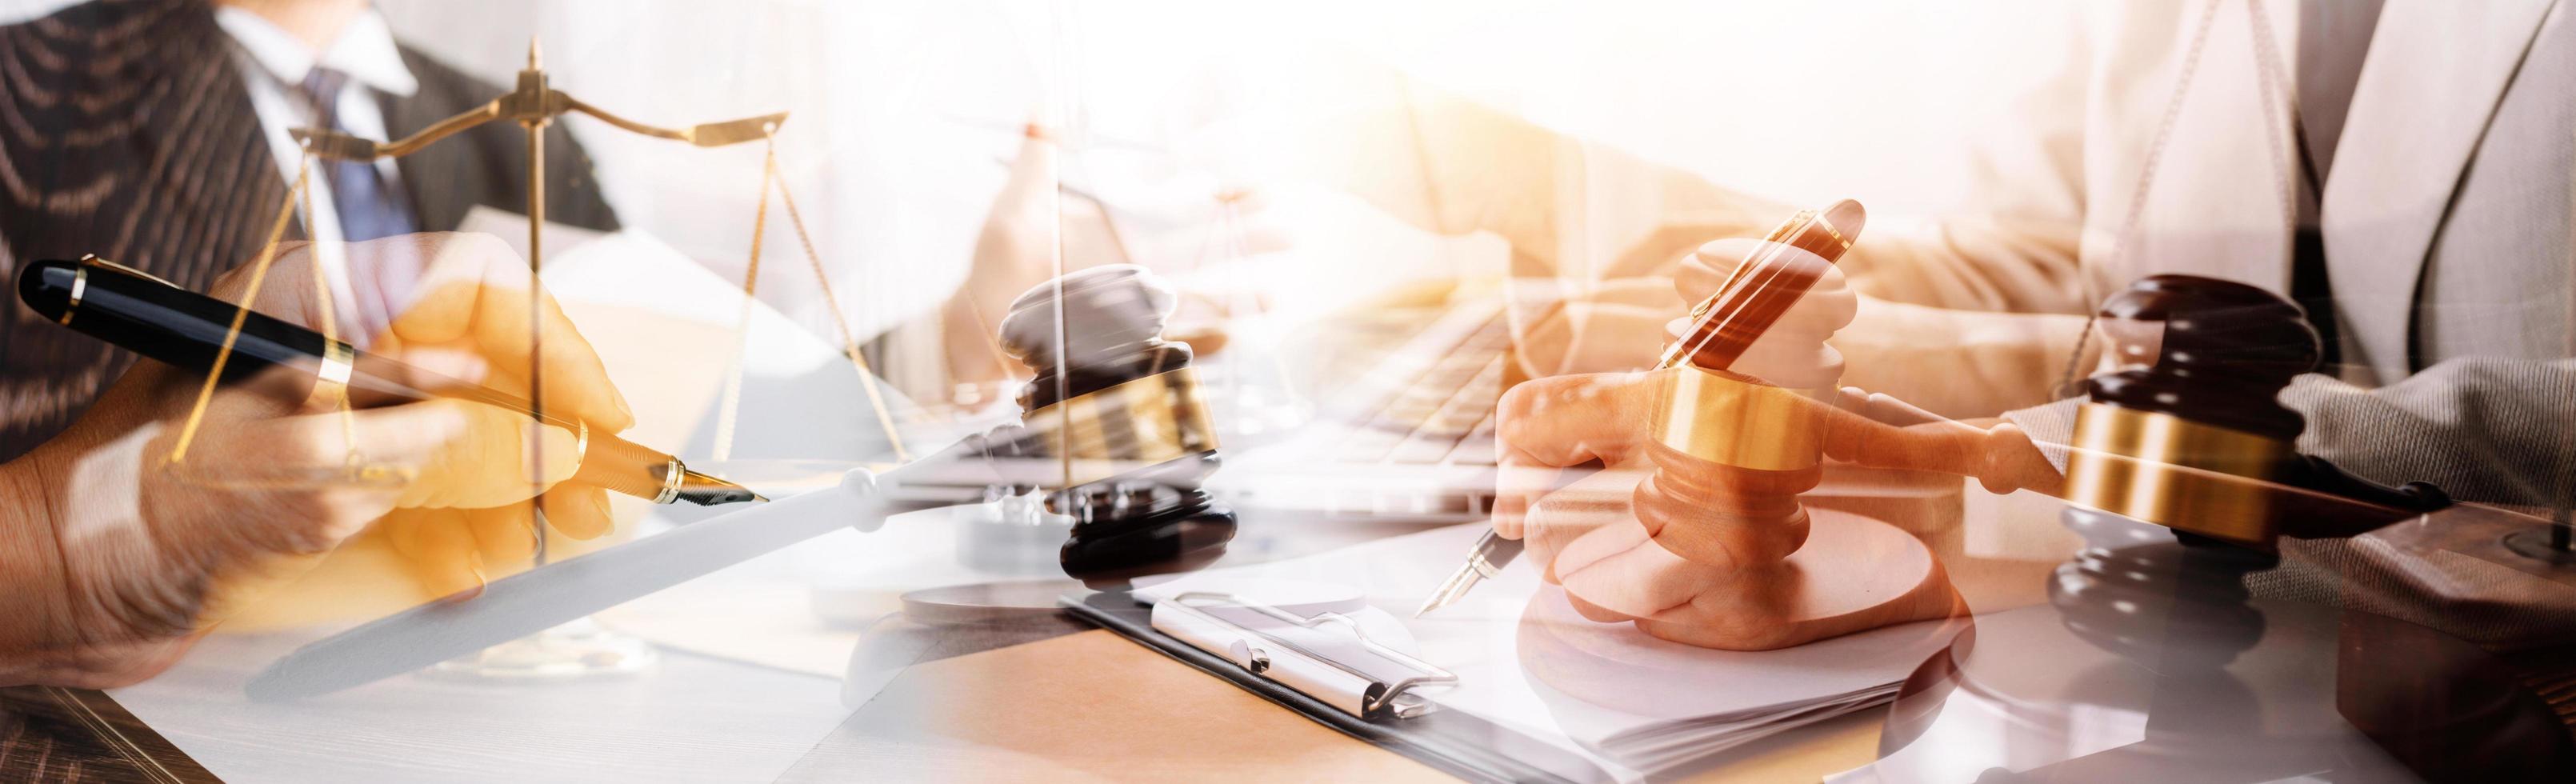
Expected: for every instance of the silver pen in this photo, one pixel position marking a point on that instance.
(1484, 562)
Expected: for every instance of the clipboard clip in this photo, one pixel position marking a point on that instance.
(1327, 656)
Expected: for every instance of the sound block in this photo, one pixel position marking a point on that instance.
(1851, 574)
(2482, 573)
(1616, 666)
(2151, 664)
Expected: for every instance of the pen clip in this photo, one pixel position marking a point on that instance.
(92, 260)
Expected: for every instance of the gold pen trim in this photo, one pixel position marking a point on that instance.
(92, 260)
(671, 475)
(80, 285)
(337, 364)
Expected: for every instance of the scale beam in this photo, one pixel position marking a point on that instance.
(532, 104)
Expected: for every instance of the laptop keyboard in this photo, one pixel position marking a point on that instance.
(1409, 436)
(1437, 407)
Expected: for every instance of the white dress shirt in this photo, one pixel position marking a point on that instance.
(274, 65)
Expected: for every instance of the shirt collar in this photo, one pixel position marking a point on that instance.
(365, 50)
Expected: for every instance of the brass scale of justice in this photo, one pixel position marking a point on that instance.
(533, 105)
(1114, 431)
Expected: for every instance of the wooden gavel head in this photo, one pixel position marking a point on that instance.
(1119, 409)
(2211, 351)
(1730, 454)
(2188, 432)
(1735, 434)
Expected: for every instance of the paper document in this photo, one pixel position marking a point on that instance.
(1638, 704)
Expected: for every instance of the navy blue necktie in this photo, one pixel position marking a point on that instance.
(367, 205)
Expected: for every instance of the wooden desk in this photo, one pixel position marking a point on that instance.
(987, 704)
(995, 714)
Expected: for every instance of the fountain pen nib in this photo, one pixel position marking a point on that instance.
(1450, 590)
(705, 490)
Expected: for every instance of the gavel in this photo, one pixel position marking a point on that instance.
(1733, 437)
(2185, 432)
(1733, 449)
(1118, 411)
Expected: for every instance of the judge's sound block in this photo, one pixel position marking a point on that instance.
(1861, 601)
(2152, 663)
(1851, 573)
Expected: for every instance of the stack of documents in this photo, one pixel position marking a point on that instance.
(1636, 704)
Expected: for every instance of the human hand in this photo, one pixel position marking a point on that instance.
(1692, 530)
(471, 312)
(151, 545)
(1618, 325)
(1695, 550)
(1037, 229)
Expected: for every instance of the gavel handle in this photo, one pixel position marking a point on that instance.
(1879, 431)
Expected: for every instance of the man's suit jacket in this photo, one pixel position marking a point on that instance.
(126, 131)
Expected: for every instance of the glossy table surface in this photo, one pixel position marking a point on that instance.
(984, 701)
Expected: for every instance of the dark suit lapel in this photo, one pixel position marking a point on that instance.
(205, 180)
(127, 134)
(487, 164)
(446, 179)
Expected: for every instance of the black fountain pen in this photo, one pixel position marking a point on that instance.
(184, 329)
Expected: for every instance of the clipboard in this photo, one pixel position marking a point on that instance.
(1373, 698)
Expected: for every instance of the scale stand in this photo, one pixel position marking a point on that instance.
(581, 648)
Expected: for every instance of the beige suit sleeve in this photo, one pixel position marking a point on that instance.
(2483, 429)
(1968, 313)
(1571, 209)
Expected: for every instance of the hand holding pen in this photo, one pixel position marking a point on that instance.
(1570, 421)
(435, 441)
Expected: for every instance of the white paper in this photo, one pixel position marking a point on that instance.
(1686, 702)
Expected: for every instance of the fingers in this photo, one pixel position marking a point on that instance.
(1790, 351)
(475, 293)
(1563, 421)
(1620, 571)
(439, 547)
(1591, 337)
(1851, 433)
(1570, 420)
(320, 449)
(285, 290)
(578, 512)
(447, 477)
(1611, 326)
(456, 453)
(1558, 519)
(455, 552)
(1704, 270)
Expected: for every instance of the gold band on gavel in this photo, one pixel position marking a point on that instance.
(1132, 425)
(1735, 421)
(2176, 473)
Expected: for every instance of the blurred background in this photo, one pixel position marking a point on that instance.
(905, 113)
